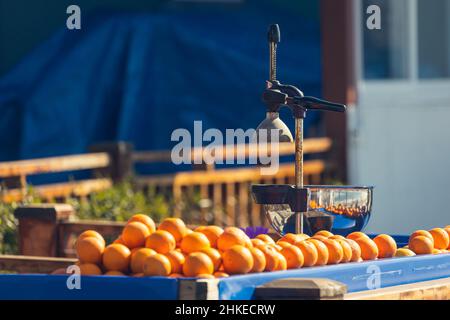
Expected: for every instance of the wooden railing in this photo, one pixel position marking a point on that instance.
(108, 162)
(15, 174)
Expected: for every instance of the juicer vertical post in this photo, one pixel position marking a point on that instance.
(273, 38)
(298, 168)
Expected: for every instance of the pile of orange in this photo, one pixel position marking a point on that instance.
(174, 250)
(434, 241)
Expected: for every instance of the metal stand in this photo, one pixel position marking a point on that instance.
(299, 169)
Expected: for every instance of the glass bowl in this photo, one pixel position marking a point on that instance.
(339, 209)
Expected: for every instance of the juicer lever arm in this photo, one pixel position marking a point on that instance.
(273, 99)
(318, 104)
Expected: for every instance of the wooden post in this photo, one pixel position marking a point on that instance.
(38, 228)
(301, 289)
(338, 62)
(121, 165)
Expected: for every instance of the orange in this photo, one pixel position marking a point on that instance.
(259, 260)
(369, 250)
(161, 241)
(322, 252)
(386, 246)
(205, 276)
(265, 237)
(175, 226)
(116, 257)
(324, 233)
(157, 265)
(319, 237)
(257, 242)
(309, 252)
(212, 233)
(440, 237)
(175, 275)
(142, 218)
(337, 237)
(89, 250)
(92, 233)
(346, 249)
(355, 235)
(276, 246)
(119, 240)
(193, 242)
(335, 251)
(114, 273)
(232, 236)
(220, 274)
(176, 259)
(302, 236)
(197, 263)
(447, 229)
(402, 252)
(282, 263)
(248, 243)
(356, 250)
(421, 233)
(138, 257)
(271, 257)
(294, 257)
(135, 249)
(90, 269)
(61, 271)
(134, 234)
(421, 245)
(237, 260)
(214, 255)
(138, 275)
(283, 244)
(436, 251)
(290, 238)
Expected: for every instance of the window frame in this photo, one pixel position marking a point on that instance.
(412, 51)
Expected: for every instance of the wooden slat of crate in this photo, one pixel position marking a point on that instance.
(59, 190)
(27, 264)
(102, 227)
(427, 290)
(54, 164)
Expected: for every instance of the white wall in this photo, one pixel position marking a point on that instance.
(399, 141)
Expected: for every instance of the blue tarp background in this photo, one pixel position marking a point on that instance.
(137, 77)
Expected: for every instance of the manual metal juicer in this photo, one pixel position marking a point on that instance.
(285, 203)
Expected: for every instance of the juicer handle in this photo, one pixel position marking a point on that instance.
(273, 35)
(319, 104)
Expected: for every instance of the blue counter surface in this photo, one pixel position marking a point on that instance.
(357, 276)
